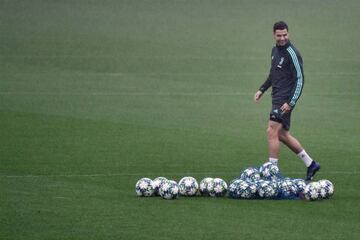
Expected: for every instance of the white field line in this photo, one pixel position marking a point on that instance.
(141, 57)
(218, 73)
(240, 56)
(158, 174)
(33, 93)
(233, 74)
(124, 93)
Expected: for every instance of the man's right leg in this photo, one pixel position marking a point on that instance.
(273, 132)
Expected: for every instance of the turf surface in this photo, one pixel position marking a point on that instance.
(97, 94)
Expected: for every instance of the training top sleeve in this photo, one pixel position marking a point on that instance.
(265, 86)
(298, 75)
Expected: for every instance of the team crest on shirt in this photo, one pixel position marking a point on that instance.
(281, 62)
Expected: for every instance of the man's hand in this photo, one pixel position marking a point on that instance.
(257, 96)
(285, 108)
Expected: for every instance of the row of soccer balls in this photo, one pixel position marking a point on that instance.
(267, 182)
(187, 186)
(285, 188)
(264, 182)
(238, 188)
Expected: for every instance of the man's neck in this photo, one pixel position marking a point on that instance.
(284, 46)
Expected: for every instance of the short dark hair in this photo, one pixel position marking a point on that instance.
(281, 25)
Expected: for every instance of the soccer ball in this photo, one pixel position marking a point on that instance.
(157, 183)
(242, 189)
(267, 189)
(312, 191)
(169, 189)
(300, 184)
(218, 187)
(188, 186)
(250, 174)
(275, 185)
(145, 187)
(203, 187)
(288, 189)
(326, 188)
(234, 188)
(269, 171)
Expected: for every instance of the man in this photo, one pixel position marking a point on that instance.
(287, 80)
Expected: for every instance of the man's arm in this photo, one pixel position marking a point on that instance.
(297, 66)
(265, 86)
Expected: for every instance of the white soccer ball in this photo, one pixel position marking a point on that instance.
(188, 186)
(145, 187)
(288, 189)
(218, 187)
(326, 188)
(269, 171)
(169, 189)
(242, 189)
(157, 183)
(250, 174)
(300, 184)
(275, 185)
(203, 186)
(312, 191)
(267, 189)
(234, 188)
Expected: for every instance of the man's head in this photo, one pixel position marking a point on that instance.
(280, 33)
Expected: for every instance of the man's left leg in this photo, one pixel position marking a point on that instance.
(293, 144)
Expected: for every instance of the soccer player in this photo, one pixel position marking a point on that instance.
(286, 78)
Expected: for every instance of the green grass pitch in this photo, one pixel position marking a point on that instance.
(97, 94)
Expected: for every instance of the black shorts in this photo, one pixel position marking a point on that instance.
(277, 115)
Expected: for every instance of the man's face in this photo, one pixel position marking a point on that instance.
(281, 37)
